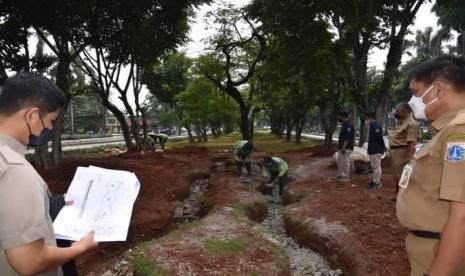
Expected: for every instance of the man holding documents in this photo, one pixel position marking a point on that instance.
(29, 104)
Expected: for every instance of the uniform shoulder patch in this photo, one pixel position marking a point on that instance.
(456, 136)
(10, 156)
(455, 151)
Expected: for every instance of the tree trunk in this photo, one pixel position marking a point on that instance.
(245, 128)
(144, 129)
(189, 133)
(122, 121)
(288, 131)
(328, 137)
(42, 157)
(63, 82)
(204, 133)
(251, 125)
(328, 122)
(392, 63)
(298, 133)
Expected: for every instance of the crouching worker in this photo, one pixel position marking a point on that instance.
(162, 139)
(153, 138)
(275, 169)
(242, 152)
(29, 104)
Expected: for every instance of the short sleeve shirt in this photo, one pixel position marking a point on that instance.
(239, 152)
(407, 131)
(437, 177)
(24, 204)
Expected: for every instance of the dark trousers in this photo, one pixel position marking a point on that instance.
(56, 203)
(248, 166)
(282, 181)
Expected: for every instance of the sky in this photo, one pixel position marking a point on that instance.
(377, 57)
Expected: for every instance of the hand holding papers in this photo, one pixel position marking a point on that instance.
(103, 202)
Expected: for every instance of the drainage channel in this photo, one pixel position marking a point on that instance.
(193, 207)
(303, 260)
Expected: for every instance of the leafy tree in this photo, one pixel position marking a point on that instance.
(238, 46)
(204, 106)
(300, 59)
(168, 79)
(427, 45)
(132, 35)
(166, 115)
(452, 15)
(366, 24)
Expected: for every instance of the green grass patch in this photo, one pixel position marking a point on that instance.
(225, 246)
(250, 186)
(262, 141)
(245, 207)
(281, 260)
(286, 210)
(142, 265)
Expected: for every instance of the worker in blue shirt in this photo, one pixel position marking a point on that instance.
(345, 146)
(376, 148)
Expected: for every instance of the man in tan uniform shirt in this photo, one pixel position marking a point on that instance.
(403, 140)
(28, 105)
(431, 200)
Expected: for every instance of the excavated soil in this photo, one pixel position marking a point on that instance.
(355, 228)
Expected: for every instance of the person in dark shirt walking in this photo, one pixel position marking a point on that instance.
(376, 148)
(345, 147)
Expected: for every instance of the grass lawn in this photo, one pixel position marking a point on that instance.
(262, 141)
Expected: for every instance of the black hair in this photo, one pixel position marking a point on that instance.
(248, 146)
(448, 67)
(371, 115)
(267, 159)
(343, 114)
(405, 106)
(30, 90)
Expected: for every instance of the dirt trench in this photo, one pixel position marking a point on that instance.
(315, 207)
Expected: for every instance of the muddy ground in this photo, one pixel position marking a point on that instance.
(354, 228)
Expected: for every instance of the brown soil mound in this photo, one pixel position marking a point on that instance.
(164, 178)
(374, 241)
(221, 244)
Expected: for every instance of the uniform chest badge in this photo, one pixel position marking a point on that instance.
(455, 152)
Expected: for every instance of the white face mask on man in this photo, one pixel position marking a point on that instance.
(418, 106)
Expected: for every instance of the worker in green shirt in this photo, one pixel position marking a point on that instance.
(154, 137)
(162, 138)
(275, 169)
(242, 152)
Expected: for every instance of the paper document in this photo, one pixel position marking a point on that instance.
(103, 202)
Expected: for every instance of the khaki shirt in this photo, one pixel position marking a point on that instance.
(24, 204)
(407, 131)
(437, 177)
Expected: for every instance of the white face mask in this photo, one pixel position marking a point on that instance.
(418, 106)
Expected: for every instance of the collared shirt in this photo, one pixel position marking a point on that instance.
(347, 134)
(24, 204)
(406, 131)
(375, 139)
(437, 177)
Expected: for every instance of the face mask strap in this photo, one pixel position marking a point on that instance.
(29, 127)
(42, 120)
(427, 91)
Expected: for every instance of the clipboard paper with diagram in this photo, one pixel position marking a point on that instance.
(103, 200)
